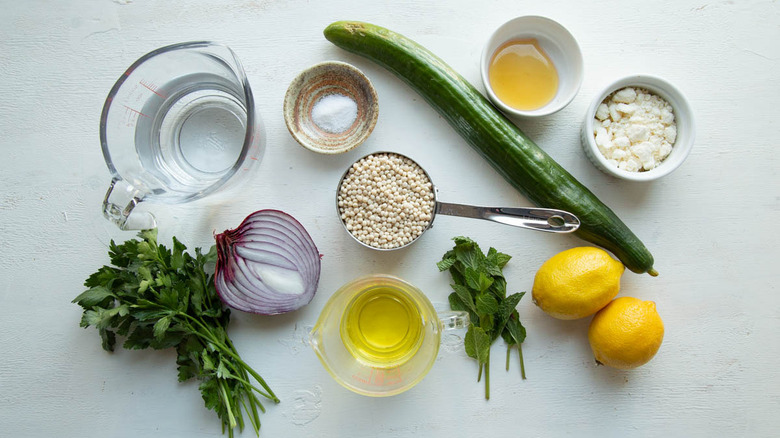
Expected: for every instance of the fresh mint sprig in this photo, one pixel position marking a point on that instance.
(479, 288)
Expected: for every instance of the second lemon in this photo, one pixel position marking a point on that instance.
(577, 282)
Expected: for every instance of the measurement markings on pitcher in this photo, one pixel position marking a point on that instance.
(132, 115)
(153, 88)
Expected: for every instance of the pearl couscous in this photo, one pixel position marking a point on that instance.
(386, 200)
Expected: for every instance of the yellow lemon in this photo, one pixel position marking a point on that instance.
(577, 282)
(626, 333)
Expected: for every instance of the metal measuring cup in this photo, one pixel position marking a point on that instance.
(532, 218)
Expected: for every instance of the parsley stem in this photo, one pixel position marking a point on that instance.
(246, 382)
(223, 391)
(508, 349)
(479, 376)
(254, 402)
(217, 343)
(252, 410)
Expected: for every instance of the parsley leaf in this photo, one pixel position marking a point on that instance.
(479, 288)
(160, 298)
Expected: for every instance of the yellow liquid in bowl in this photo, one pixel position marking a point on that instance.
(522, 75)
(382, 327)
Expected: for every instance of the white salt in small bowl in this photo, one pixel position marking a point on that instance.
(331, 107)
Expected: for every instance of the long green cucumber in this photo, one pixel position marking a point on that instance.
(515, 156)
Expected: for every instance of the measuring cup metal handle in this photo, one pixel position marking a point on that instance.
(121, 198)
(454, 320)
(541, 219)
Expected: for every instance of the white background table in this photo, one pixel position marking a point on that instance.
(711, 224)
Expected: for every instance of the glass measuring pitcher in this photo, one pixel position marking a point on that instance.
(379, 335)
(176, 126)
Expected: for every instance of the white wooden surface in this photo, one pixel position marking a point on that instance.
(711, 225)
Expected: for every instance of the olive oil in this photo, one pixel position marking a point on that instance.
(382, 327)
(522, 75)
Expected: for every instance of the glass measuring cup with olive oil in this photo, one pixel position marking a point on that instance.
(382, 327)
(379, 335)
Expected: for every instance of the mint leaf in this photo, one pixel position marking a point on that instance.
(498, 288)
(498, 259)
(477, 279)
(505, 310)
(481, 345)
(469, 343)
(467, 252)
(486, 304)
(486, 322)
(446, 263)
(464, 241)
(484, 282)
(508, 305)
(456, 303)
(464, 294)
(480, 288)
(516, 330)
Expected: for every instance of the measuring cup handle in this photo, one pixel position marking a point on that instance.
(540, 219)
(120, 193)
(454, 320)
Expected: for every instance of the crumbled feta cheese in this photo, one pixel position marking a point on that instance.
(635, 129)
(602, 112)
(613, 113)
(664, 150)
(626, 95)
(622, 142)
(638, 133)
(626, 108)
(619, 154)
(670, 134)
(601, 136)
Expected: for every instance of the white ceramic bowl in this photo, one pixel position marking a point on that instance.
(559, 45)
(683, 116)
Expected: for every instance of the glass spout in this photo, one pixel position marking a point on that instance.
(315, 335)
(454, 320)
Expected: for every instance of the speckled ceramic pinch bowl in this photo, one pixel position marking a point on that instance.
(318, 82)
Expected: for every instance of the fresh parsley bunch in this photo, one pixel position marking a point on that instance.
(480, 289)
(159, 298)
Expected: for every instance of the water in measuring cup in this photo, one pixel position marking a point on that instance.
(191, 133)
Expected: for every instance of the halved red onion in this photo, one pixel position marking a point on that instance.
(268, 265)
